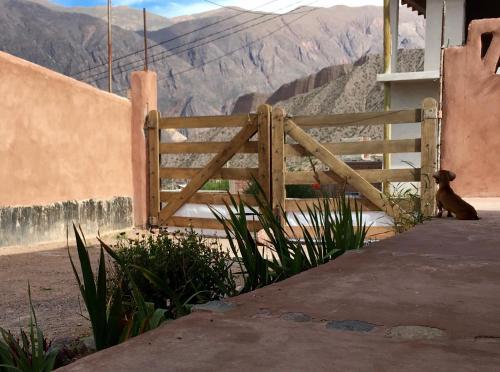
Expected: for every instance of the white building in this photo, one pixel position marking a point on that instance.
(446, 24)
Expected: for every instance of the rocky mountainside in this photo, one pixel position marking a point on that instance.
(334, 90)
(278, 49)
(241, 53)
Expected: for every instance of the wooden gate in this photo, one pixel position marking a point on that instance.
(164, 204)
(272, 128)
(341, 173)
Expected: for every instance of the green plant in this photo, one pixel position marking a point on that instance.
(292, 191)
(330, 230)
(30, 352)
(111, 322)
(409, 198)
(174, 271)
(301, 191)
(331, 233)
(216, 185)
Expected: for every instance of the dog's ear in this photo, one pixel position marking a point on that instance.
(452, 175)
(436, 176)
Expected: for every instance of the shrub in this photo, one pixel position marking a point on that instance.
(174, 271)
(301, 191)
(111, 322)
(30, 352)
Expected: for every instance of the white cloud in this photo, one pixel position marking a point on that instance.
(177, 8)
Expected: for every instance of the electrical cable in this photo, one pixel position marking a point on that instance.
(154, 58)
(172, 39)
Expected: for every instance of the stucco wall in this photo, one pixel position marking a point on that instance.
(471, 113)
(61, 140)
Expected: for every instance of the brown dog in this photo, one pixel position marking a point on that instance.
(447, 199)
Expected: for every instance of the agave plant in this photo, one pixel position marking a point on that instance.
(111, 322)
(256, 269)
(30, 352)
(326, 234)
(327, 229)
(330, 230)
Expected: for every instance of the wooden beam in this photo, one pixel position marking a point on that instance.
(359, 119)
(208, 172)
(206, 121)
(264, 122)
(365, 147)
(429, 158)
(222, 174)
(278, 161)
(371, 175)
(339, 168)
(293, 205)
(203, 223)
(210, 198)
(154, 166)
(204, 148)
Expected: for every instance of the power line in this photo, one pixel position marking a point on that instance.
(161, 54)
(237, 9)
(175, 37)
(286, 24)
(140, 60)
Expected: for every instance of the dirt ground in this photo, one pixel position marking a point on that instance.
(54, 292)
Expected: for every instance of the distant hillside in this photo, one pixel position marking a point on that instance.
(207, 79)
(343, 89)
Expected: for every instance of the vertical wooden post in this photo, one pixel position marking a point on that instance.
(154, 166)
(146, 67)
(429, 158)
(278, 160)
(264, 121)
(391, 23)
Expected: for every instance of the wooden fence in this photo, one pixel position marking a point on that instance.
(273, 128)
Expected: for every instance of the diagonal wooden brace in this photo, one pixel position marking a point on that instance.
(341, 169)
(210, 169)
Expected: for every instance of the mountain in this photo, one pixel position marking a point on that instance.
(122, 16)
(333, 90)
(355, 91)
(236, 52)
(277, 50)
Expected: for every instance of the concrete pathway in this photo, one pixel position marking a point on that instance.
(426, 300)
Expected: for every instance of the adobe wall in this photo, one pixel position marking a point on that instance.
(65, 155)
(470, 137)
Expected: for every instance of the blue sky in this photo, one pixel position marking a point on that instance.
(176, 8)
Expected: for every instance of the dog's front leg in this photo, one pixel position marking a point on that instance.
(440, 209)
